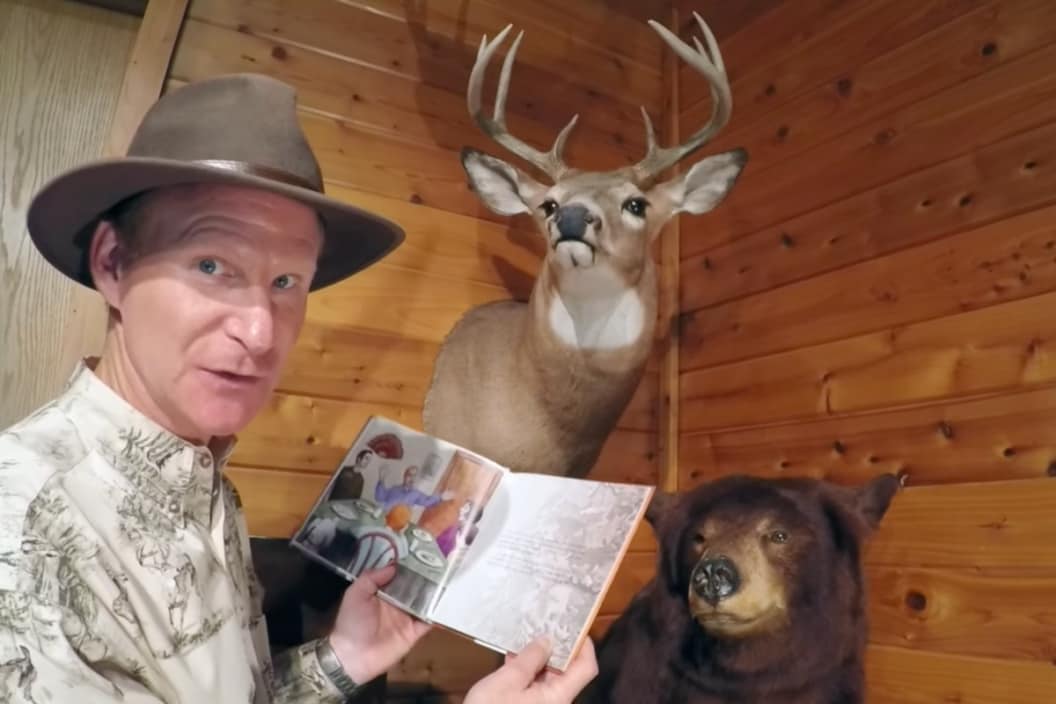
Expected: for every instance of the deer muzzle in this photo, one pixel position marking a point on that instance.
(572, 222)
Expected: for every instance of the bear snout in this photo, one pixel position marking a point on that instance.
(715, 579)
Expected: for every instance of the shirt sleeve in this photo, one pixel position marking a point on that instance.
(299, 677)
(426, 500)
(40, 665)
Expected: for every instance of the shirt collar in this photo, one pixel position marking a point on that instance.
(180, 477)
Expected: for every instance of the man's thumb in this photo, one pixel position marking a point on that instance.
(526, 665)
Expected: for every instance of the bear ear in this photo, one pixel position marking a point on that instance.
(866, 505)
(872, 500)
(662, 505)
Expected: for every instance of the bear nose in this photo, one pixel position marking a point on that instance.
(572, 221)
(716, 579)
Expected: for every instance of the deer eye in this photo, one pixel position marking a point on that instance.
(549, 207)
(778, 536)
(636, 206)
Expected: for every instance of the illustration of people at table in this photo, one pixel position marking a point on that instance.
(405, 493)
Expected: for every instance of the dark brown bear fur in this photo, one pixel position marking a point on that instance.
(793, 632)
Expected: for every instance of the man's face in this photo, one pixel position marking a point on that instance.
(209, 314)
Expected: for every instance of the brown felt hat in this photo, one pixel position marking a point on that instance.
(237, 129)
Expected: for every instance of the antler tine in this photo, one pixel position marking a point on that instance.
(550, 162)
(708, 62)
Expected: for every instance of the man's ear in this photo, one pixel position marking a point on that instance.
(104, 261)
(706, 183)
(504, 188)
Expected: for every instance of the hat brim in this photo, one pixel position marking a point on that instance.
(66, 211)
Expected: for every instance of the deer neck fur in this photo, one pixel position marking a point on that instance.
(599, 318)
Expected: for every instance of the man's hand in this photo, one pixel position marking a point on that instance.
(370, 635)
(523, 679)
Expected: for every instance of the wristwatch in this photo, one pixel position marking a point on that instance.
(331, 665)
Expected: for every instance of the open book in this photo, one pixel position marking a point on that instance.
(494, 555)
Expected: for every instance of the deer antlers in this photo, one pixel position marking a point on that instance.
(706, 61)
(551, 162)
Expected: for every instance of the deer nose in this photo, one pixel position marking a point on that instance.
(572, 221)
(715, 579)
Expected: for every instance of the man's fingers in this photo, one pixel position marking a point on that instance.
(368, 583)
(580, 672)
(523, 667)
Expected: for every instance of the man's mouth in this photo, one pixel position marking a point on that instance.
(234, 378)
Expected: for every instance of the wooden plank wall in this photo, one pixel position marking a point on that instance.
(61, 69)
(382, 94)
(878, 294)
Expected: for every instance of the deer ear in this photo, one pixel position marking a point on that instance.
(706, 183)
(505, 189)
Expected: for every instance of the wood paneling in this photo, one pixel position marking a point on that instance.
(1013, 97)
(377, 99)
(1005, 178)
(988, 36)
(988, 524)
(554, 72)
(826, 39)
(148, 66)
(1005, 261)
(61, 68)
(876, 295)
(989, 350)
(986, 613)
(997, 438)
(900, 676)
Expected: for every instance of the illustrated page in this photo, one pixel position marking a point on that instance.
(544, 557)
(399, 497)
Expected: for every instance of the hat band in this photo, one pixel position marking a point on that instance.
(267, 172)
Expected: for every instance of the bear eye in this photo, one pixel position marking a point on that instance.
(779, 536)
(549, 207)
(698, 539)
(636, 206)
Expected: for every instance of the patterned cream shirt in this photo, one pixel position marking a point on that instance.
(125, 569)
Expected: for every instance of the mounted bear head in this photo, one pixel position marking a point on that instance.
(751, 555)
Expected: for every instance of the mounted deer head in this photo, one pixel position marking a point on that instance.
(613, 215)
(539, 386)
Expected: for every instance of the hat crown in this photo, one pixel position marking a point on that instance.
(247, 119)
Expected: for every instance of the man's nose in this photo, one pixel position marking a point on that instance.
(254, 327)
(572, 221)
(715, 579)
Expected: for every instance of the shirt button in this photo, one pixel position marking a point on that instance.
(204, 460)
(174, 505)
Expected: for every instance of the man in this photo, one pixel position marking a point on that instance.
(406, 493)
(349, 483)
(124, 558)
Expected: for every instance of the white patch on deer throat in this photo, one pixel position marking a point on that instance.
(599, 312)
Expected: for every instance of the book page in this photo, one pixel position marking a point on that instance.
(545, 556)
(402, 497)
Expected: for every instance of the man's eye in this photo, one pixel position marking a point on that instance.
(285, 281)
(208, 266)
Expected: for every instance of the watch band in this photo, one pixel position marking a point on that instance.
(331, 665)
